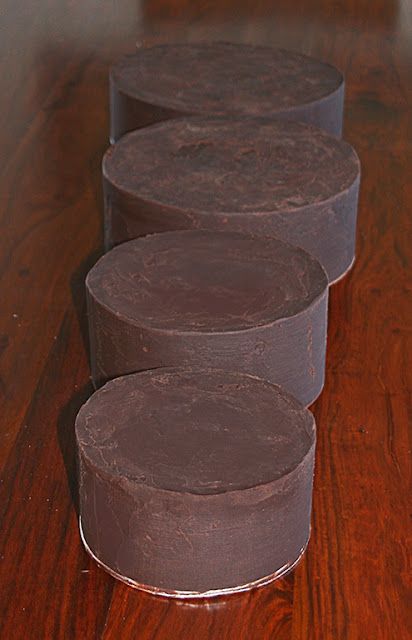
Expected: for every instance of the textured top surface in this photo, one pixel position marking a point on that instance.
(205, 281)
(194, 431)
(229, 166)
(223, 77)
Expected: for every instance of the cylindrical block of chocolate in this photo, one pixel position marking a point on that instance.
(263, 177)
(168, 81)
(193, 482)
(210, 299)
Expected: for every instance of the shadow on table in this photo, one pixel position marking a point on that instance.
(67, 416)
(67, 439)
(78, 295)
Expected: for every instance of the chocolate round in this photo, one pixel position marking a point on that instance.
(195, 483)
(263, 177)
(210, 299)
(168, 81)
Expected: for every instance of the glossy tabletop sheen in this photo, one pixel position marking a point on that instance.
(354, 582)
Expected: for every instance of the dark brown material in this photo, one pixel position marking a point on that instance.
(354, 580)
(222, 78)
(193, 482)
(264, 177)
(223, 300)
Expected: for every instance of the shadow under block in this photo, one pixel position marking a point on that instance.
(210, 299)
(195, 483)
(168, 81)
(263, 177)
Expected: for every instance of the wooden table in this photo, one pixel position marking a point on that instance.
(354, 580)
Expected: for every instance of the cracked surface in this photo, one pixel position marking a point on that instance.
(232, 166)
(242, 79)
(201, 432)
(206, 281)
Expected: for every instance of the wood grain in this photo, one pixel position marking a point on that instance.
(355, 581)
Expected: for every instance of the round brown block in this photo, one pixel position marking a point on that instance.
(262, 177)
(221, 78)
(195, 483)
(210, 299)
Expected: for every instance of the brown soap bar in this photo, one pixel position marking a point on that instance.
(262, 177)
(210, 299)
(221, 78)
(195, 483)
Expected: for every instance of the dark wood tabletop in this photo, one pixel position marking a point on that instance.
(354, 581)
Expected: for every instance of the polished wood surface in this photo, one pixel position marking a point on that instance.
(355, 580)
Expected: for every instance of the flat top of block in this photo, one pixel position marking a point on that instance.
(227, 166)
(224, 77)
(206, 281)
(203, 432)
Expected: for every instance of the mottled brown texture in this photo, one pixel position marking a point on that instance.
(257, 176)
(214, 299)
(354, 580)
(222, 78)
(195, 481)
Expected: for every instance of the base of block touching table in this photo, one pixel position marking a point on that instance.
(212, 593)
(344, 274)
